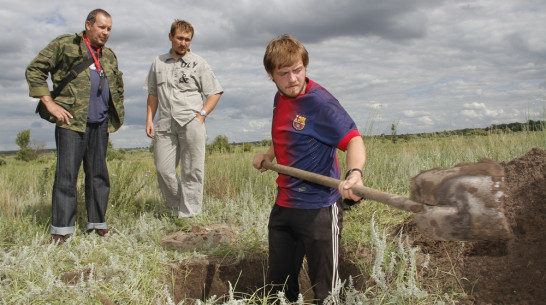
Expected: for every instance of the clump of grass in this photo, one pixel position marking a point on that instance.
(395, 273)
(127, 183)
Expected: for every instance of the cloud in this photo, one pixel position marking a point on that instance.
(414, 114)
(426, 120)
(429, 65)
(479, 111)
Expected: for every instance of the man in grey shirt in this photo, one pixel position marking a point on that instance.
(177, 83)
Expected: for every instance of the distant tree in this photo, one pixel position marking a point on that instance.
(23, 138)
(247, 147)
(394, 136)
(219, 144)
(266, 143)
(25, 153)
(480, 132)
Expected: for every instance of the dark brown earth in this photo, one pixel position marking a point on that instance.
(488, 272)
(504, 272)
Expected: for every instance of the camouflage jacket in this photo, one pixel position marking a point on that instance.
(59, 57)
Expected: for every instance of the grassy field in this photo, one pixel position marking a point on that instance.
(131, 267)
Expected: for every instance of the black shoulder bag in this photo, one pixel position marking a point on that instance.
(41, 108)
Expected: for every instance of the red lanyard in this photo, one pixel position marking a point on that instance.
(95, 59)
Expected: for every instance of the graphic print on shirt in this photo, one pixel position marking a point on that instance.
(187, 70)
(299, 122)
(183, 79)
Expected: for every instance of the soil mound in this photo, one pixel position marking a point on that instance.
(199, 237)
(502, 272)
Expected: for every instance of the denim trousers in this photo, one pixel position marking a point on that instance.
(73, 148)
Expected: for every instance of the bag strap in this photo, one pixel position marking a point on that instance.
(72, 75)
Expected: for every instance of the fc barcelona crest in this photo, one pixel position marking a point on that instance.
(299, 122)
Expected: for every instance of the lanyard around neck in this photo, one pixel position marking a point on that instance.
(95, 58)
(97, 62)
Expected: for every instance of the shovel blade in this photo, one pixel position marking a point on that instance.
(462, 203)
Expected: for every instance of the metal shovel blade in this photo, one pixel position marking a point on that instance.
(460, 203)
(475, 190)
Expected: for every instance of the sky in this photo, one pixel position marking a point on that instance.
(424, 65)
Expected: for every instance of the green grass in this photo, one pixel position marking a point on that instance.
(130, 266)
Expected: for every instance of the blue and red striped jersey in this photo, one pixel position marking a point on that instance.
(306, 132)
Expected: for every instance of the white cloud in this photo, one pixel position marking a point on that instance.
(259, 124)
(474, 105)
(426, 120)
(480, 111)
(414, 114)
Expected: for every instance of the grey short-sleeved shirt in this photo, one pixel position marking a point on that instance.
(180, 86)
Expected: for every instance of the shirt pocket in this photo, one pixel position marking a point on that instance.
(65, 101)
(161, 78)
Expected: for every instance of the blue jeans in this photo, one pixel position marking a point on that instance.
(73, 148)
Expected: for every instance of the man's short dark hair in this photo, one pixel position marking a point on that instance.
(182, 25)
(284, 51)
(92, 17)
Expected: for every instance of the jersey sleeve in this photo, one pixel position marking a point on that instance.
(342, 145)
(333, 125)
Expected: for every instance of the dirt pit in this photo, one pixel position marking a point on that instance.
(501, 272)
(504, 272)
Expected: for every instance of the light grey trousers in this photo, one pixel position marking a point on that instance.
(184, 145)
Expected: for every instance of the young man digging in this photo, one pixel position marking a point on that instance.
(309, 125)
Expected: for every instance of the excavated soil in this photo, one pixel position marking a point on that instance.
(503, 272)
(496, 272)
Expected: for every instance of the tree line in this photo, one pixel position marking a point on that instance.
(530, 125)
(30, 149)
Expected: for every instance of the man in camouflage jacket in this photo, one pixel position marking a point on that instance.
(86, 110)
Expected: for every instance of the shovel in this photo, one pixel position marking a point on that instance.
(460, 203)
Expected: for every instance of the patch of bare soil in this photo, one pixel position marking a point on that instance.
(199, 237)
(501, 272)
(491, 272)
(203, 278)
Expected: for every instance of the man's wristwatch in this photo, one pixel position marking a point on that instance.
(203, 112)
(353, 170)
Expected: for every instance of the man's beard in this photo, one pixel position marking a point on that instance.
(181, 53)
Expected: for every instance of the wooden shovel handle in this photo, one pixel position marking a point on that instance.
(397, 201)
